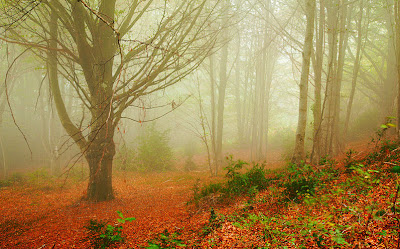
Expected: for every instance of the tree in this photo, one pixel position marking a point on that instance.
(299, 153)
(355, 69)
(89, 44)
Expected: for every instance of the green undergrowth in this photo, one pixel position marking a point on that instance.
(103, 235)
(237, 182)
(44, 179)
(330, 205)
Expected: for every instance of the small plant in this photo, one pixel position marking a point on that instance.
(214, 222)
(327, 160)
(248, 183)
(38, 176)
(14, 179)
(166, 240)
(349, 161)
(298, 188)
(383, 129)
(102, 235)
(244, 183)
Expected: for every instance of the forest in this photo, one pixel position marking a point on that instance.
(200, 124)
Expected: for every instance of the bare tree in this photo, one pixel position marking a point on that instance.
(89, 46)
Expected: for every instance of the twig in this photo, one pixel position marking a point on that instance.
(8, 100)
(150, 120)
(393, 164)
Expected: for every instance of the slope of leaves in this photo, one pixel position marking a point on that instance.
(350, 204)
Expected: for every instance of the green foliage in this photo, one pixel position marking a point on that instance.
(237, 183)
(14, 179)
(38, 176)
(389, 145)
(296, 189)
(326, 160)
(301, 181)
(349, 161)
(381, 132)
(102, 235)
(214, 222)
(395, 169)
(363, 179)
(206, 190)
(244, 183)
(166, 240)
(385, 150)
(154, 152)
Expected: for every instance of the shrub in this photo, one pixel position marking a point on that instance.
(102, 235)
(154, 152)
(214, 222)
(237, 183)
(302, 180)
(39, 175)
(248, 182)
(166, 240)
(14, 179)
(295, 190)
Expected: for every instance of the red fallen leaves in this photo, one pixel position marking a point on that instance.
(37, 217)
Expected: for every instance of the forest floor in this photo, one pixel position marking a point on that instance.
(350, 202)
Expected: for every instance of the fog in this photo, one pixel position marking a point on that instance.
(207, 79)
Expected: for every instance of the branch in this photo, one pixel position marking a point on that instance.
(8, 99)
(34, 45)
(150, 120)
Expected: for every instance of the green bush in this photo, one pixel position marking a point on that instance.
(214, 222)
(14, 179)
(39, 175)
(102, 235)
(237, 183)
(166, 240)
(302, 180)
(298, 188)
(154, 152)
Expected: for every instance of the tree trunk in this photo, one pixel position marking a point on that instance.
(356, 69)
(100, 157)
(389, 88)
(397, 19)
(299, 153)
(97, 64)
(316, 150)
(223, 79)
(329, 108)
(213, 113)
(344, 35)
(237, 95)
